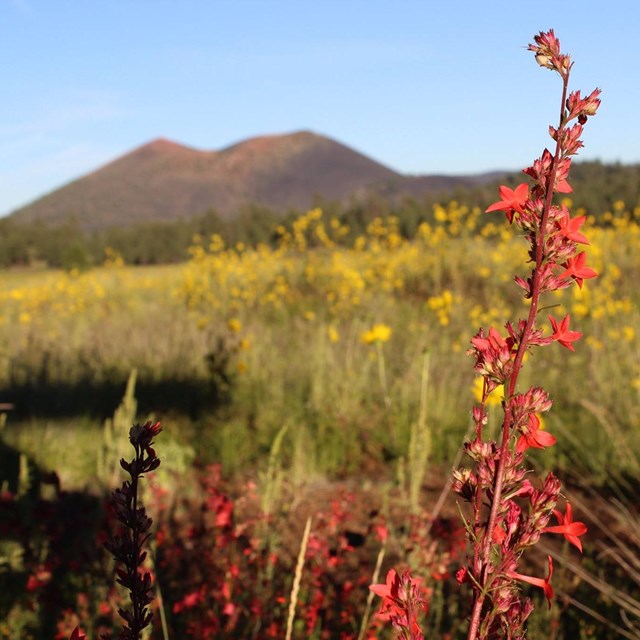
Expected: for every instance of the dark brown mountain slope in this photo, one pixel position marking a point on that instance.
(165, 181)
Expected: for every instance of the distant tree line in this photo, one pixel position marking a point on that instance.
(68, 246)
(597, 187)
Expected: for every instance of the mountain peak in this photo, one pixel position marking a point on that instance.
(162, 181)
(163, 145)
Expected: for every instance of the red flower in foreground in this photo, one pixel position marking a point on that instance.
(544, 584)
(533, 437)
(576, 268)
(76, 634)
(567, 527)
(570, 227)
(493, 341)
(402, 599)
(390, 591)
(562, 333)
(513, 200)
(580, 107)
(562, 172)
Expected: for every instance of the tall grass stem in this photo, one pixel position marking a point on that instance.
(293, 600)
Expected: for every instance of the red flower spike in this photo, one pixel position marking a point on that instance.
(562, 333)
(576, 268)
(567, 527)
(497, 483)
(532, 437)
(513, 200)
(544, 584)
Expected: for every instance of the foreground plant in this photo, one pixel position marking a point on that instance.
(403, 601)
(128, 548)
(509, 514)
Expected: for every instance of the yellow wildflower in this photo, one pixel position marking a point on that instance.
(378, 333)
(493, 399)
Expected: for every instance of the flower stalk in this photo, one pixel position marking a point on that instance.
(517, 512)
(129, 548)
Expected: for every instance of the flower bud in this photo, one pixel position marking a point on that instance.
(465, 483)
(544, 61)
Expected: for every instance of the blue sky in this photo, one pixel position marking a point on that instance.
(421, 86)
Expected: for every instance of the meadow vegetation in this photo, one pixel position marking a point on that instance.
(324, 360)
(254, 338)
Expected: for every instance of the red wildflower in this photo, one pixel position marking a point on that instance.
(143, 434)
(569, 227)
(462, 575)
(389, 592)
(189, 601)
(533, 437)
(562, 173)
(513, 200)
(541, 169)
(499, 534)
(402, 599)
(576, 268)
(76, 634)
(493, 356)
(493, 340)
(569, 138)
(38, 579)
(547, 46)
(580, 107)
(381, 532)
(544, 584)
(567, 527)
(562, 333)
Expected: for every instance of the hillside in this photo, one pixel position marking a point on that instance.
(163, 181)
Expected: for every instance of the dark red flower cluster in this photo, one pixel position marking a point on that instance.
(129, 547)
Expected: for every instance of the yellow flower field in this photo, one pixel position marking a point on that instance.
(281, 333)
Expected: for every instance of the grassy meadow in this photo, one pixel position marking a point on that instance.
(324, 360)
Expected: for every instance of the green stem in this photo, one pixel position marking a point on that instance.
(382, 375)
